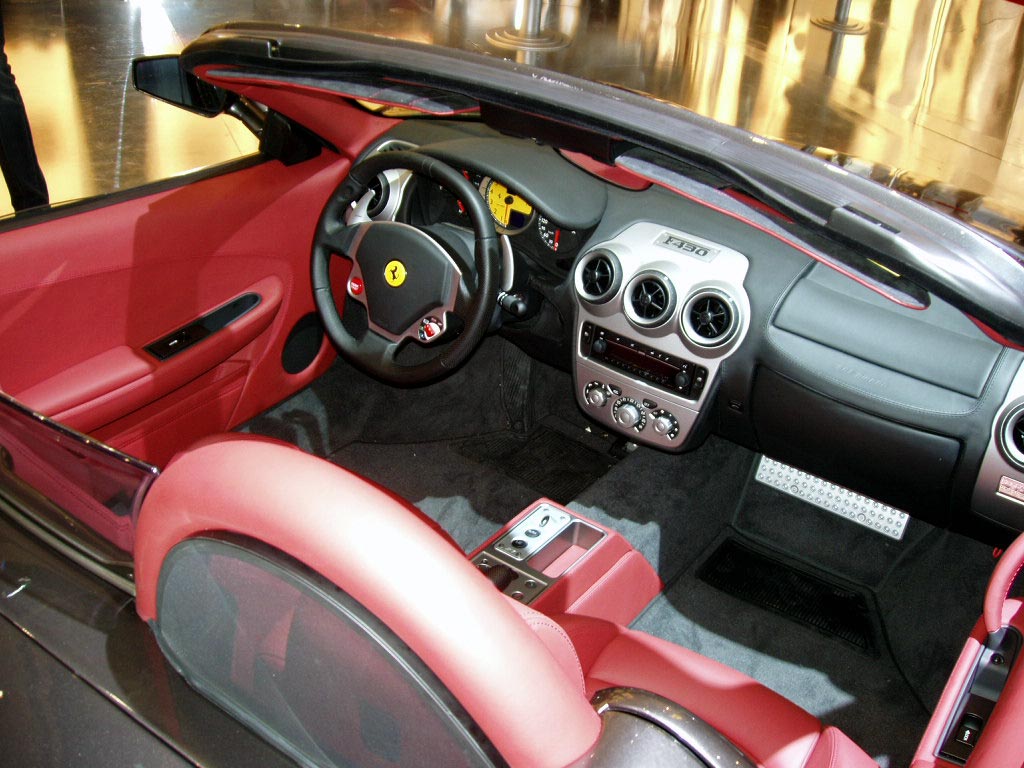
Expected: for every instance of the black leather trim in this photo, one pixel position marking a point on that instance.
(836, 365)
(908, 468)
(938, 345)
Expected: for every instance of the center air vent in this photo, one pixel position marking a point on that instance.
(1012, 436)
(649, 299)
(598, 276)
(709, 318)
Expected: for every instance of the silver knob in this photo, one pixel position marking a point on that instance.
(627, 415)
(596, 396)
(663, 425)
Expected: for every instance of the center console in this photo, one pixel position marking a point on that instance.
(557, 561)
(657, 312)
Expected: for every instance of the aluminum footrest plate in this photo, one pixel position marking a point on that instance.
(833, 498)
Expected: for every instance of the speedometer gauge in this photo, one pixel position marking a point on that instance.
(554, 237)
(511, 213)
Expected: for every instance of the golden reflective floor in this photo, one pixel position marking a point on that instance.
(929, 88)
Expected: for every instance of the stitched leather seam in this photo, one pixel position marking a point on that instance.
(544, 621)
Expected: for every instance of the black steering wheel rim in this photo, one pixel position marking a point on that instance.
(372, 352)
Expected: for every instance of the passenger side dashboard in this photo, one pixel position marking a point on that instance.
(679, 315)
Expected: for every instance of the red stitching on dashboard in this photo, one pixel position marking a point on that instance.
(806, 251)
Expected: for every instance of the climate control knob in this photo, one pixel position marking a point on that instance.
(628, 414)
(596, 394)
(664, 424)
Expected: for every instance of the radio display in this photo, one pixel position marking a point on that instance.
(659, 369)
(623, 354)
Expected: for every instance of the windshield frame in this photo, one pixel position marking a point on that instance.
(939, 253)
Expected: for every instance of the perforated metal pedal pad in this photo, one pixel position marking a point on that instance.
(833, 498)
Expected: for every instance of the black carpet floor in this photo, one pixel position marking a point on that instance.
(475, 449)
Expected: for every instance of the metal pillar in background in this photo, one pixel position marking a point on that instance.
(841, 21)
(527, 32)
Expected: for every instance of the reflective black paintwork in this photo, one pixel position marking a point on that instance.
(56, 618)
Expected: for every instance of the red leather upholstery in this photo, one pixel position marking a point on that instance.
(999, 585)
(613, 581)
(1002, 740)
(835, 750)
(379, 550)
(81, 297)
(369, 544)
(770, 729)
(231, 437)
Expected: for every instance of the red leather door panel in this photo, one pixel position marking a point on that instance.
(82, 294)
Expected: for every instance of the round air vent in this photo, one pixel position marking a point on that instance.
(381, 195)
(1012, 436)
(649, 299)
(709, 318)
(598, 276)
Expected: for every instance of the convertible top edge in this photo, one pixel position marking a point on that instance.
(940, 253)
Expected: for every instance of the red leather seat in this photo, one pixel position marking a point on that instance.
(770, 729)
(524, 679)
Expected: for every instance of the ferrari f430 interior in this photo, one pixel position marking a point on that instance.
(621, 462)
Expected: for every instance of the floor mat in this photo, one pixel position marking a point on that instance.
(804, 597)
(548, 461)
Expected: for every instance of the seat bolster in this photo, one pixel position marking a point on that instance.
(772, 730)
(835, 750)
(221, 438)
(556, 641)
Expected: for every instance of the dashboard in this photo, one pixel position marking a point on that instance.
(679, 317)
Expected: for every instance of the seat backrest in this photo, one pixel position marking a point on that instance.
(303, 664)
(325, 613)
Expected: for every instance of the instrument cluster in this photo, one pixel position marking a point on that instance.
(531, 232)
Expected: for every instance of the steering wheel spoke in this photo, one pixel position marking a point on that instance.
(410, 285)
(340, 238)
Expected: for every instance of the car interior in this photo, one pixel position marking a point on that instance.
(629, 472)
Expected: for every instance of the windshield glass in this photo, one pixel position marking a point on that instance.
(918, 96)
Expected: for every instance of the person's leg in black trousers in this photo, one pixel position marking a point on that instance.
(18, 160)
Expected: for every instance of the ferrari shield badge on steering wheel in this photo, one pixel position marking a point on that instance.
(395, 273)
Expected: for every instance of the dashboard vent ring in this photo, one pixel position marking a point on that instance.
(1012, 436)
(650, 299)
(598, 276)
(381, 190)
(709, 318)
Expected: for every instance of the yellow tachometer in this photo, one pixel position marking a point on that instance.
(511, 213)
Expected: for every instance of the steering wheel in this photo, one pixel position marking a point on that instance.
(405, 279)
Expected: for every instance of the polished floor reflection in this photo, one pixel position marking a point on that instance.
(926, 91)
